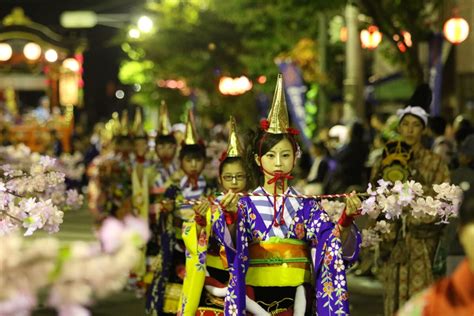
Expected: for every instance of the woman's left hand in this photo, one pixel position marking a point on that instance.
(353, 204)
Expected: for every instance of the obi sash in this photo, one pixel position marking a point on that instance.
(279, 262)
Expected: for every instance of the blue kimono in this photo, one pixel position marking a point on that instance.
(273, 257)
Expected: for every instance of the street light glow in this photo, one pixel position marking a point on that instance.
(145, 24)
(134, 33)
(119, 94)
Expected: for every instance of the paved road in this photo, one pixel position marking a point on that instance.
(365, 295)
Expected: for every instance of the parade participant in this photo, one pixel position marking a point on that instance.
(167, 283)
(166, 151)
(205, 284)
(453, 295)
(408, 255)
(275, 240)
(160, 226)
(111, 187)
(141, 176)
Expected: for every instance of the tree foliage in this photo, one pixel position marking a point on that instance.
(419, 17)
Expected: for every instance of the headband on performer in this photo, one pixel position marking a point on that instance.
(415, 111)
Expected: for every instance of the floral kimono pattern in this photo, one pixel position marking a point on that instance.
(171, 247)
(196, 259)
(304, 221)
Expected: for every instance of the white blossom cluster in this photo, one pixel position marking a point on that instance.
(73, 274)
(394, 200)
(32, 192)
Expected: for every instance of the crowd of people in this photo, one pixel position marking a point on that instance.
(256, 240)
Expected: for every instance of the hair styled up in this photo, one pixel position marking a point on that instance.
(195, 151)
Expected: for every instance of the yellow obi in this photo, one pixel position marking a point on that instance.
(279, 262)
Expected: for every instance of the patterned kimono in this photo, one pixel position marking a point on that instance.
(166, 288)
(408, 257)
(163, 174)
(270, 263)
(206, 270)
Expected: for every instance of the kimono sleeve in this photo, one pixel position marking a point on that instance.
(329, 268)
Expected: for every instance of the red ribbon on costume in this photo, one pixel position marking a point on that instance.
(140, 159)
(346, 220)
(192, 181)
(230, 217)
(200, 220)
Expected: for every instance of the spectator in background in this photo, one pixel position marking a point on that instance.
(317, 177)
(441, 145)
(43, 112)
(350, 170)
(462, 128)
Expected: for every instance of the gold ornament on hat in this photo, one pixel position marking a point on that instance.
(124, 123)
(190, 136)
(233, 147)
(278, 121)
(138, 130)
(164, 124)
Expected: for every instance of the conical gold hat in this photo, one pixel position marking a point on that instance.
(233, 147)
(164, 124)
(124, 123)
(138, 130)
(278, 117)
(190, 136)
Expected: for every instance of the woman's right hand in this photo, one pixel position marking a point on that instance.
(229, 201)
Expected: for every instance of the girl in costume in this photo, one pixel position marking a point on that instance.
(167, 283)
(166, 167)
(284, 252)
(205, 284)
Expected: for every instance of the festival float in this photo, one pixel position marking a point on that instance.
(40, 82)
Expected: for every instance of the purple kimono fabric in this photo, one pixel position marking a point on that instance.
(311, 224)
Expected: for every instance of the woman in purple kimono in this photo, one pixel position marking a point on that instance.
(285, 254)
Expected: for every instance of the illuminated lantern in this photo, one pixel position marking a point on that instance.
(234, 86)
(32, 51)
(456, 30)
(6, 52)
(371, 37)
(71, 64)
(51, 55)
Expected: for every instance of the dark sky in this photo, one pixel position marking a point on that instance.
(101, 57)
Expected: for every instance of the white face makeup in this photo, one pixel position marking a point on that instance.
(279, 159)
